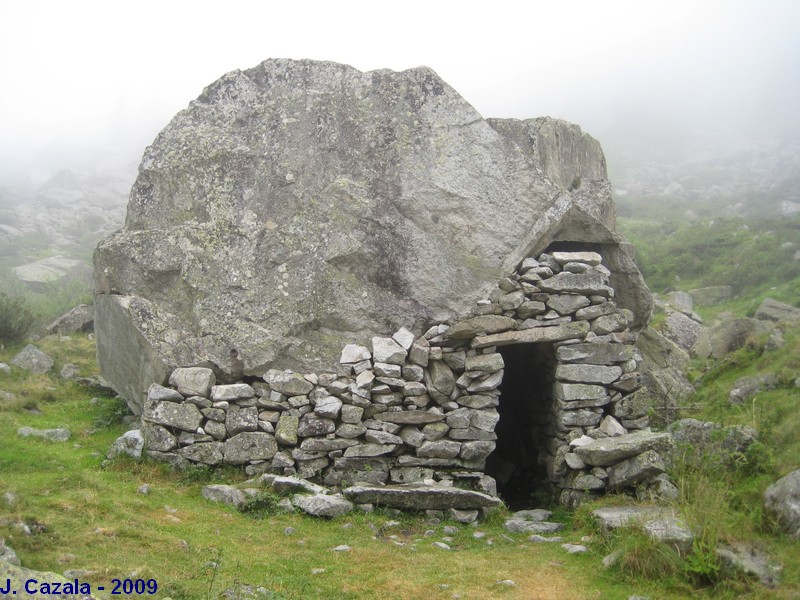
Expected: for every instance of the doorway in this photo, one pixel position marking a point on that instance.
(526, 405)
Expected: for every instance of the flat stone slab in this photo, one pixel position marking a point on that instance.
(419, 497)
(745, 557)
(410, 417)
(525, 526)
(555, 333)
(772, 310)
(286, 484)
(608, 451)
(54, 435)
(483, 324)
(658, 522)
(323, 505)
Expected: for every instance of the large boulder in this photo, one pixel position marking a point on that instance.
(299, 206)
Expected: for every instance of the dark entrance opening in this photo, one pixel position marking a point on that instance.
(526, 404)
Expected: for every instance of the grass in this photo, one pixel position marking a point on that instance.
(756, 258)
(91, 517)
(49, 300)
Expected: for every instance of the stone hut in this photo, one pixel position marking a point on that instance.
(355, 277)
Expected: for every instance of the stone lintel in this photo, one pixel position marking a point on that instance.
(556, 333)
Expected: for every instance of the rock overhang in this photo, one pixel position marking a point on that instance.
(299, 206)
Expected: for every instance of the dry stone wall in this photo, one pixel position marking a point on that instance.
(424, 408)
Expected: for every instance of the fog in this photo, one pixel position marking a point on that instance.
(90, 81)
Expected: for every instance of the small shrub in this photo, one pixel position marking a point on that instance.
(758, 458)
(261, 505)
(702, 565)
(16, 319)
(641, 556)
(110, 412)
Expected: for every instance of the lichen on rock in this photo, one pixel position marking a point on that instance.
(299, 206)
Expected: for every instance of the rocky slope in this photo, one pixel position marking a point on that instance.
(49, 232)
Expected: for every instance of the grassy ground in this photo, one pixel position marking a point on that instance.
(89, 516)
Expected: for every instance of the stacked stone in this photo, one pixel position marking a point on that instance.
(423, 409)
(396, 413)
(565, 298)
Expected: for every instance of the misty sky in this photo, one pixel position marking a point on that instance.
(89, 77)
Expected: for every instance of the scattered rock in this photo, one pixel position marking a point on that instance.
(697, 440)
(670, 530)
(245, 591)
(8, 555)
(748, 559)
(681, 301)
(709, 296)
(323, 505)
(659, 523)
(33, 360)
(772, 310)
(747, 387)
(536, 514)
(69, 372)
(776, 341)
(78, 320)
(575, 548)
(53, 435)
(681, 329)
(523, 526)
(539, 539)
(226, 494)
(130, 443)
(782, 503)
(14, 577)
(729, 335)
